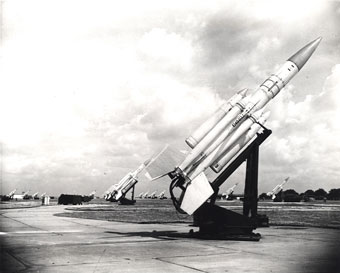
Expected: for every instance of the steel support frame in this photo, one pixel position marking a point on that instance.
(235, 226)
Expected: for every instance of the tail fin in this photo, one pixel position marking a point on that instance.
(164, 163)
(196, 193)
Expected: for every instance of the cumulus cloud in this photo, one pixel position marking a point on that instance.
(304, 142)
(169, 50)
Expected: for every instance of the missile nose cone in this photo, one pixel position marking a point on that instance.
(302, 56)
(243, 92)
(147, 162)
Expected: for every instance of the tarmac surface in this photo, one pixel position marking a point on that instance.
(34, 240)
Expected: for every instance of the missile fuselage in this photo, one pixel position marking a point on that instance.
(226, 144)
(228, 154)
(204, 129)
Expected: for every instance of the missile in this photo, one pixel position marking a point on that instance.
(223, 135)
(230, 191)
(153, 195)
(140, 195)
(35, 195)
(277, 189)
(12, 193)
(161, 195)
(117, 191)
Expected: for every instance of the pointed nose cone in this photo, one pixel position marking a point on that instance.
(243, 92)
(147, 162)
(302, 56)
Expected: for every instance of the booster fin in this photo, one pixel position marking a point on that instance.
(163, 163)
(196, 193)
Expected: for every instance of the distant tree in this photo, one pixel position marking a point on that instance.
(291, 196)
(320, 194)
(290, 191)
(309, 193)
(263, 196)
(334, 194)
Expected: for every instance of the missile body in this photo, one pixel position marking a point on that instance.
(198, 152)
(229, 142)
(241, 143)
(204, 129)
(232, 134)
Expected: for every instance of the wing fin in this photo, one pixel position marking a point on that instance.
(196, 193)
(163, 163)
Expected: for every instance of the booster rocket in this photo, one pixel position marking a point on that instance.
(218, 140)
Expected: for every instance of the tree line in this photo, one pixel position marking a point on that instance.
(320, 194)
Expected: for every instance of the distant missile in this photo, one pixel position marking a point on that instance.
(119, 190)
(140, 195)
(223, 135)
(230, 191)
(161, 195)
(35, 195)
(153, 195)
(277, 189)
(12, 193)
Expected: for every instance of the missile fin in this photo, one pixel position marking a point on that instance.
(163, 163)
(196, 193)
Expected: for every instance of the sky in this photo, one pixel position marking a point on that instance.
(91, 89)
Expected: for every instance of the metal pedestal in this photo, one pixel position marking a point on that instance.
(215, 222)
(125, 201)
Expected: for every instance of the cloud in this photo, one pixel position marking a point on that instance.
(168, 50)
(304, 143)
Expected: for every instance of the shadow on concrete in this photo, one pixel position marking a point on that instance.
(163, 235)
(328, 257)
